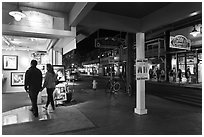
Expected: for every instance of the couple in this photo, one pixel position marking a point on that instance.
(33, 85)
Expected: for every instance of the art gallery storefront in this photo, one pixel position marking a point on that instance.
(15, 62)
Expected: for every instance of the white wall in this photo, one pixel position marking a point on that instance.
(69, 46)
(24, 58)
(58, 58)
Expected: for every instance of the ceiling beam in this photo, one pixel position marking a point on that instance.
(26, 31)
(79, 11)
(80, 37)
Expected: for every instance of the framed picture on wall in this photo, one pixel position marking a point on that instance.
(10, 62)
(17, 78)
(60, 71)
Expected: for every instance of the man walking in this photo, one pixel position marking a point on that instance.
(33, 84)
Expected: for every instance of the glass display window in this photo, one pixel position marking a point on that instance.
(190, 60)
(191, 68)
(200, 56)
(200, 71)
(182, 67)
(181, 60)
(173, 61)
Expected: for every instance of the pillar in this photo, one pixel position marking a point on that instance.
(140, 92)
(167, 56)
(130, 62)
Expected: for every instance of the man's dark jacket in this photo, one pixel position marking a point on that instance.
(33, 79)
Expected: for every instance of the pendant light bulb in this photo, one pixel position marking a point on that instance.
(17, 14)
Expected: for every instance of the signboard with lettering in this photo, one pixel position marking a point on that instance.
(108, 42)
(111, 60)
(180, 42)
(141, 69)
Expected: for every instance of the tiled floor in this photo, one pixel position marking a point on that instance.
(21, 121)
(23, 114)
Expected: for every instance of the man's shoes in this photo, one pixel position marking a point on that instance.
(31, 109)
(35, 114)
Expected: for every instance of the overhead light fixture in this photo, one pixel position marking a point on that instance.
(194, 13)
(194, 32)
(17, 13)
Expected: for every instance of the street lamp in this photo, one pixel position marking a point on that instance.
(194, 32)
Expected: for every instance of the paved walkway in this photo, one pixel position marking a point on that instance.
(96, 113)
(191, 85)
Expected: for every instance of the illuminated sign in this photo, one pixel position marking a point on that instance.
(141, 69)
(180, 42)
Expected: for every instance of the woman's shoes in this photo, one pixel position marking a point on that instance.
(45, 107)
(50, 110)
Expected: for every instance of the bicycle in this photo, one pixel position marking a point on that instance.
(112, 86)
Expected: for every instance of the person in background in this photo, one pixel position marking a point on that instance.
(33, 84)
(158, 71)
(49, 84)
(187, 74)
(162, 74)
(150, 73)
(171, 75)
(179, 75)
(174, 74)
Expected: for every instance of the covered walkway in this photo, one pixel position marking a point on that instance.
(97, 113)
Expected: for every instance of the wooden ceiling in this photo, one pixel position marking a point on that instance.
(64, 7)
(136, 10)
(130, 9)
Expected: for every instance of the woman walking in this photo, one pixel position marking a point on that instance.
(49, 84)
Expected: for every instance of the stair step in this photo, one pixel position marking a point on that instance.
(184, 101)
(188, 98)
(192, 96)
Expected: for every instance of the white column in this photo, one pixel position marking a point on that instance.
(59, 58)
(53, 57)
(140, 93)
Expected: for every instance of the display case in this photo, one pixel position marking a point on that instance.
(62, 93)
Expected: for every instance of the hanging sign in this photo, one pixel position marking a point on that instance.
(141, 69)
(180, 42)
(111, 60)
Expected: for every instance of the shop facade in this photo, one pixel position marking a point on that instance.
(183, 57)
(16, 62)
(91, 67)
(109, 66)
(155, 52)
